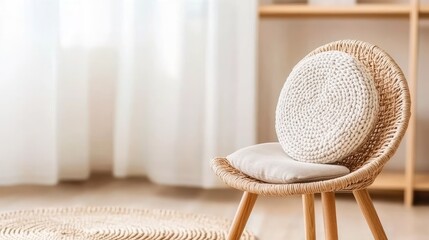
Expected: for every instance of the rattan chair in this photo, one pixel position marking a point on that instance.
(365, 164)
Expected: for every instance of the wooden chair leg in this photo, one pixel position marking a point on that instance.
(243, 212)
(329, 215)
(310, 223)
(364, 201)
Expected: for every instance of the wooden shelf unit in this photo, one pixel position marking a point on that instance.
(407, 181)
(361, 10)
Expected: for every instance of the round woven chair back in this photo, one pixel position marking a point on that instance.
(394, 98)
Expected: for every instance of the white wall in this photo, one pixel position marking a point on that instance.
(283, 42)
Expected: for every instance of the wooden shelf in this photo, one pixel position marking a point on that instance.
(396, 181)
(421, 182)
(389, 181)
(360, 10)
(424, 11)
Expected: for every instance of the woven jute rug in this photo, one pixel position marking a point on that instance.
(111, 223)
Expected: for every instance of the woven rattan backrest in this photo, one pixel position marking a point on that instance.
(394, 100)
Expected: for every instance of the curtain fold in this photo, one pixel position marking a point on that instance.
(140, 88)
(28, 144)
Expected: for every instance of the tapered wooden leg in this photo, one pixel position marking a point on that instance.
(329, 216)
(243, 212)
(364, 201)
(310, 224)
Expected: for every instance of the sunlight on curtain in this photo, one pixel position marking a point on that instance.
(28, 93)
(154, 88)
(86, 24)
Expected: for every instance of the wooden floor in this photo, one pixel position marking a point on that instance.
(272, 219)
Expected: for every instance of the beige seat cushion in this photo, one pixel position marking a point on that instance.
(327, 108)
(269, 163)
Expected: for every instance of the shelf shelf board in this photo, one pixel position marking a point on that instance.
(389, 181)
(396, 181)
(421, 182)
(360, 10)
(424, 11)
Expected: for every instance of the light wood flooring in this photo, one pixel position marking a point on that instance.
(272, 218)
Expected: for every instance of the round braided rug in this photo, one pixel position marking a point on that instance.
(327, 108)
(111, 223)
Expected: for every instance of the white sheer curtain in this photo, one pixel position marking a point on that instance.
(154, 88)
